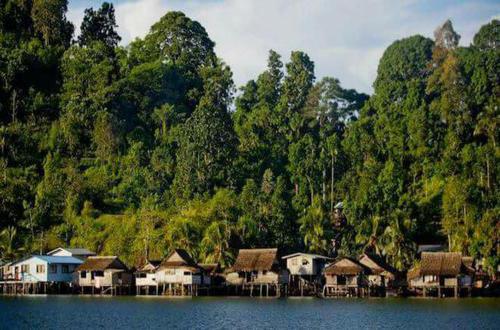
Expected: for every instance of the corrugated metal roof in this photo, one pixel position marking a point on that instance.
(74, 251)
(54, 259)
(314, 256)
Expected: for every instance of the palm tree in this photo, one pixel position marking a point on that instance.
(215, 243)
(371, 239)
(182, 233)
(312, 228)
(8, 250)
(397, 246)
(247, 229)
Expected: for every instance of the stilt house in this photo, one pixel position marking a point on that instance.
(145, 277)
(379, 275)
(179, 274)
(257, 268)
(441, 274)
(41, 274)
(344, 277)
(306, 272)
(104, 275)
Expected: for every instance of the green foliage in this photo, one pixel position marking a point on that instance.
(99, 26)
(49, 20)
(137, 150)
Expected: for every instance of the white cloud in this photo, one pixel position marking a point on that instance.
(345, 38)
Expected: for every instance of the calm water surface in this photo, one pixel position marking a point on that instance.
(76, 312)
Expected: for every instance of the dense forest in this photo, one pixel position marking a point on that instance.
(135, 150)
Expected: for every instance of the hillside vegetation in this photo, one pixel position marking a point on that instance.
(136, 150)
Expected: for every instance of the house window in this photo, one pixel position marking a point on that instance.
(187, 273)
(264, 272)
(25, 268)
(140, 275)
(40, 269)
(83, 274)
(99, 273)
(53, 268)
(430, 278)
(119, 276)
(65, 269)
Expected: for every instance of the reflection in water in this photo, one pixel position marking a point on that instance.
(159, 312)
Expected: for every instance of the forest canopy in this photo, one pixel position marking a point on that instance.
(136, 150)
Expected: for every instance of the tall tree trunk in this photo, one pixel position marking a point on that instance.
(331, 184)
(311, 188)
(14, 106)
(488, 172)
(324, 185)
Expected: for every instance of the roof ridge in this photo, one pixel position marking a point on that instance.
(102, 257)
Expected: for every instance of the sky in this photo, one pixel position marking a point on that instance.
(345, 38)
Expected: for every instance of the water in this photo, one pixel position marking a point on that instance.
(237, 313)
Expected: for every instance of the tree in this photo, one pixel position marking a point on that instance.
(312, 227)
(99, 26)
(445, 36)
(207, 145)
(105, 137)
(296, 85)
(215, 243)
(8, 245)
(488, 36)
(88, 74)
(49, 20)
(180, 41)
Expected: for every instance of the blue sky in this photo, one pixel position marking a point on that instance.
(345, 38)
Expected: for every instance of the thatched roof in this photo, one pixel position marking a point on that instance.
(211, 268)
(441, 264)
(377, 265)
(468, 262)
(344, 266)
(149, 266)
(255, 260)
(179, 258)
(102, 263)
(413, 273)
